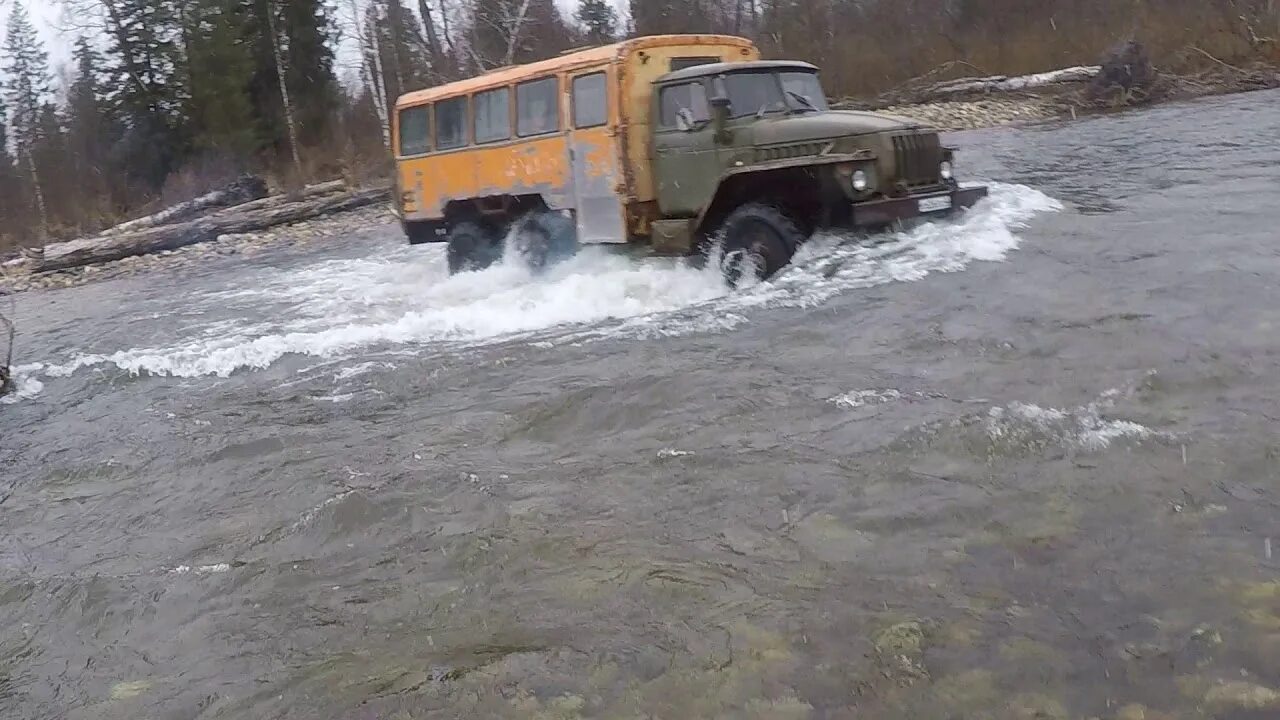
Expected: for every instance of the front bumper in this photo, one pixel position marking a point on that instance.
(931, 204)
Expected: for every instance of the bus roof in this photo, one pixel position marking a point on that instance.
(569, 60)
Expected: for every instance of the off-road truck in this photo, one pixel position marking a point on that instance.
(675, 143)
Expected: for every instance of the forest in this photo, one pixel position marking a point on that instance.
(166, 99)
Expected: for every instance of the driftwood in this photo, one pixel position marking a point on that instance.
(243, 190)
(249, 218)
(927, 89)
(1004, 83)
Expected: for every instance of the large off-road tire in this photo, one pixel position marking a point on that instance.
(546, 238)
(472, 247)
(758, 239)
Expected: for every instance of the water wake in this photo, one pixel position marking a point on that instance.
(405, 299)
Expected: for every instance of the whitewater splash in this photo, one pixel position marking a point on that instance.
(406, 300)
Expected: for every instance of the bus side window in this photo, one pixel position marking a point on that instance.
(537, 107)
(415, 130)
(451, 123)
(590, 101)
(493, 115)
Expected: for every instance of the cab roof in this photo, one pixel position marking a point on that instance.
(697, 71)
(565, 61)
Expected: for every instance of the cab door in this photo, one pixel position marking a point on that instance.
(686, 167)
(593, 154)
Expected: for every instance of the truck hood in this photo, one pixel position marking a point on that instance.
(824, 125)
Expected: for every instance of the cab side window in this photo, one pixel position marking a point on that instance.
(686, 96)
(537, 107)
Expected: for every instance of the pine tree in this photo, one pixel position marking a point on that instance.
(307, 28)
(26, 67)
(146, 53)
(91, 129)
(598, 21)
(218, 70)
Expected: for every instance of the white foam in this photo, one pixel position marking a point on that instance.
(1083, 427)
(860, 398)
(404, 298)
(25, 384)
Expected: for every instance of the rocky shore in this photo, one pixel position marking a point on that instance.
(14, 279)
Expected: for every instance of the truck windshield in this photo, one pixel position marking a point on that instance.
(803, 91)
(761, 93)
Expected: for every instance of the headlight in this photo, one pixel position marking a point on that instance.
(859, 180)
(945, 170)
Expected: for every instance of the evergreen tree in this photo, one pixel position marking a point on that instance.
(146, 51)
(91, 129)
(307, 27)
(26, 69)
(598, 21)
(218, 72)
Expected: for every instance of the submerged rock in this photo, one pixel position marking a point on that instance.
(1243, 695)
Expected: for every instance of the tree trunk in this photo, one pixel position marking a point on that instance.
(284, 88)
(35, 186)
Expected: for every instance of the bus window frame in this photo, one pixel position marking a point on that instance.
(573, 99)
(431, 128)
(558, 125)
(467, 139)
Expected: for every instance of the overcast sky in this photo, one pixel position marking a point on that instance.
(57, 27)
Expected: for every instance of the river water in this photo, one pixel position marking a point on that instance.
(1022, 464)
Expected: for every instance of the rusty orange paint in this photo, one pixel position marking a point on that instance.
(542, 165)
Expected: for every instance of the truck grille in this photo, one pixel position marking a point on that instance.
(785, 152)
(918, 158)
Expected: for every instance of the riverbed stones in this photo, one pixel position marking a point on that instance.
(16, 279)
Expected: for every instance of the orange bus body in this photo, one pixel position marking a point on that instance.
(600, 170)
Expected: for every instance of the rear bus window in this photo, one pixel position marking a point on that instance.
(415, 130)
(590, 101)
(493, 115)
(451, 123)
(537, 109)
(680, 63)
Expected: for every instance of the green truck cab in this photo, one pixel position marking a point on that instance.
(749, 155)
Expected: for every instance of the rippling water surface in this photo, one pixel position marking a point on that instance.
(1016, 465)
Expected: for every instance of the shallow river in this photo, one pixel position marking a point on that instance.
(1018, 465)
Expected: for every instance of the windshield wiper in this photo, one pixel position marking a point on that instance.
(803, 100)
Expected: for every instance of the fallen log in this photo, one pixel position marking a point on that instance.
(232, 221)
(242, 190)
(1004, 83)
(310, 191)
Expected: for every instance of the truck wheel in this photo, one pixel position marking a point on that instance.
(759, 239)
(472, 247)
(546, 238)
